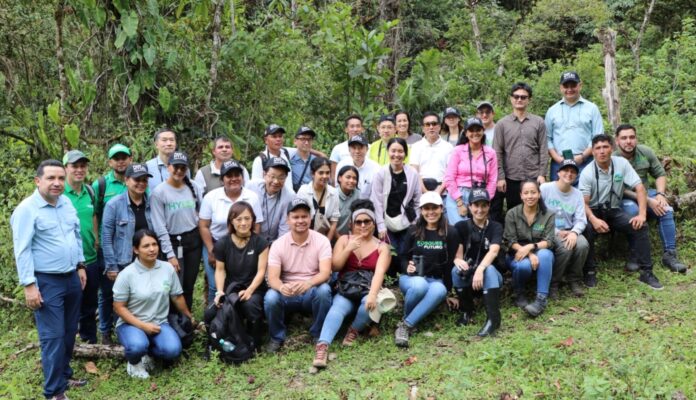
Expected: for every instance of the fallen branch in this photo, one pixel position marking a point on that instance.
(684, 201)
(26, 348)
(10, 300)
(83, 350)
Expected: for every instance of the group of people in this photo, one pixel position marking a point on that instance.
(308, 233)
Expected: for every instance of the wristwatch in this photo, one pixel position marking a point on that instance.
(80, 266)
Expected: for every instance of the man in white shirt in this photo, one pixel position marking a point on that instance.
(367, 168)
(430, 155)
(353, 127)
(208, 176)
(273, 137)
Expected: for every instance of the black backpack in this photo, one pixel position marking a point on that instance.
(225, 323)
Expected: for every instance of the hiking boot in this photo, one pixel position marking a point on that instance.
(590, 279)
(537, 307)
(401, 334)
(553, 291)
(650, 279)
(61, 396)
(576, 289)
(520, 300)
(106, 339)
(465, 318)
(137, 370)
(272, 347)
(670, 260)
(491, 299)
(321, 355)
(350, 337)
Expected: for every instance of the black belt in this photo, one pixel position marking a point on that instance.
(61, 274)
(192, 231)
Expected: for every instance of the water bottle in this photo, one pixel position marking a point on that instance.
(226, 345)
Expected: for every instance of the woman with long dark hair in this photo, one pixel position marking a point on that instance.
(432, 248)
(403, 127)
(322, 198)
(452, 128)
(348, 192)
(529, 234)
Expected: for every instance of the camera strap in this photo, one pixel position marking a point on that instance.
(473, 228)
(471, 168)
(611, 182)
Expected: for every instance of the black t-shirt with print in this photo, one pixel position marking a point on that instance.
(438, 253)
(241, 264)
(470, 233)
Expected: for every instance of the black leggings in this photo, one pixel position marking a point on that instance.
(190, 263)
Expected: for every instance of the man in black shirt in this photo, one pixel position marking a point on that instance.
(482, 238)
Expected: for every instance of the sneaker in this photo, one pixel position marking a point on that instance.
(553, 291)
(148, 363)
(520, 300)
(650, 279)
(401, 334)
(670, 260)
(321, 355)
(590, 279)
(137, 371)
(61, 396)
(76, 383)
(576, 289)
(537, 307)
(273, 346)
(350, 337)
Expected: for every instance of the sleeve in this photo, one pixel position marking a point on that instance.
(283, 227)
(108, 230)
(415, 155)
(543, 149)
(175, 289)
(496, 233)
(334, 157)
(206, 211)
(453, 242)
(450, 179)
(274, 255)
(579, 218)
(585, 181)
(498, 146)
(492, 178)
(409, 245)
(23, 231)
(220, 249)
(597, 122)
(121, 287)
(336, 212)
(245, 174)
(76, 231)
(463, 233)
(377, 199)
(256, 206)
(325, 249)
(548, 122)
(261, 244)
(159, 222)
(550, 228)
(510, 234)
(198, 190)
(257, 168)
(656, 168)
(631, 177)
(416, 191)
(199, 179)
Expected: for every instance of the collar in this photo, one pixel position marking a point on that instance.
(438, 141)
(580, 100)
(41, 202)
(303, 244)
(69, 189)
(515, 118)
(130, 202)
(213, 169)
(143, 269)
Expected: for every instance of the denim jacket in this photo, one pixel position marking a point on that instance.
(118, 228)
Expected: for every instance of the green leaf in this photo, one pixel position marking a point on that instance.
(121, 6)
(149, 53)
(153, 7)
(171, 59)
(72, 135)
(133, 93)
(72, 80)
(120, 39)
(99, 16)
(53, 111)
(165, 99)
(130, 24)
(89, 93)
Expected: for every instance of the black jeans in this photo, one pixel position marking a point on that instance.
(620, 221)
(496, 213)
(512, 193)
(190, 263)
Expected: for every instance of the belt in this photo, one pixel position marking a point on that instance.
(60, 274)
(192, 231)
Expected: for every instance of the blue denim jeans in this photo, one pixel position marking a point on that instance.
(522, 271)
(555, 167)
(106, 301)
(492, 279)
(88, 308)
(421, 296)
(316, 300)
(398, 242)
(165, 345)
(451, 206)
(56, 321)
(665, 223)
(210, 275)
(340, 309)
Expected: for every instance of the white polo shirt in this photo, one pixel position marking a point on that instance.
(216, 206)
(431, 159)
(257, 165)
(367, 172)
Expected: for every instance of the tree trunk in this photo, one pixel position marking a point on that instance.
(636, 46)
(233, 24)
(610, 92)
(212, 81)
(63, 91)
(390, 10)
(475, 28)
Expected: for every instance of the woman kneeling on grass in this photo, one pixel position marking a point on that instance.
(432, 248)
(141, 299)
(529, 233)
(359, 250)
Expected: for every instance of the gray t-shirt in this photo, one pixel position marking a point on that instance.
(173, 212)
(608, 186)
(146, 291)
(569, 207)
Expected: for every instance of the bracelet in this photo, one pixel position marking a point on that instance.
(661, 194)
(219, 293)
(80, 266)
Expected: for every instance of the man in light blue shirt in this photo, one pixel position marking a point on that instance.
(50, 264)
(571, 124)
(165, 143)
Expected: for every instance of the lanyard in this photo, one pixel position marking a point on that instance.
(611, 182)
(270, 216)
(485, 168)
(379, 152)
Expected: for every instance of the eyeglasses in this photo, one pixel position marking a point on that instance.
(279, 179)
(427, 124)
(485, 112)
(305, 139)
(519, 97)
(362, 222)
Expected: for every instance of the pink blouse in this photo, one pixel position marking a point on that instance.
(461, 169)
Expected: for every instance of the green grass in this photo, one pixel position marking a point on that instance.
(626, 342)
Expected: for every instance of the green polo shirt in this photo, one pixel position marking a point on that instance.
(645, 162)
(85, 211)
(114, 187)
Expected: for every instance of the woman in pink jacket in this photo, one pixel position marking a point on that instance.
(472, 164)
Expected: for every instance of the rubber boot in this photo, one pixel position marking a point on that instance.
(491, 300)
(466, 305)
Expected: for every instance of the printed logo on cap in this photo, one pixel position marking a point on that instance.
(138, 168)
(179, 156)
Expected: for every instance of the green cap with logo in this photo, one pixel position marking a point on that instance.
(118, 148)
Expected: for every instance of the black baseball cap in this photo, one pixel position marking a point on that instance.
(451, 111)
(473, 122)
(570, 76)
(276, 162)
(387, 117)
(178, 158)
(484, 103)
(228, 166)
(296, 203)
(358, 139)
(478, 194)
(137, 171)
(568, 163)
(305, 130)
(273, 128)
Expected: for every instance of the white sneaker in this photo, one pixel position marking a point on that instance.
(148, 362)
(137, 371)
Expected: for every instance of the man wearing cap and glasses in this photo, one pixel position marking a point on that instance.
(358, 147)
(165, 143)
(571, 124)
(353, 127)
(274, 197)
(521, 146)
(430, 155)
(273, 137)
(299, 266)
(299, 163)
(81, 196)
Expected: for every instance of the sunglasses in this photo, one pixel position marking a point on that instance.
(519, 97)
(431, 124)
(362, 222)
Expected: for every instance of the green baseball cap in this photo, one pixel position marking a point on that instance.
(118, 148)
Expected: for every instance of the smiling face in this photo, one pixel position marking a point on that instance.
(322, 175)
(357, 153)
(567, 175)
(363, 226)
(274, 142)
(431, 213)
(275, 180)
(571, 91)
(529, 192)
(147, 250)
(348, 181)
(402, 125)
(120, 162)
(76, 172)
(177, 172)
(475, 135)
(386, 130)
(233, 181)
(165, 143)
(486, 115)
(298, 220)
(452, 121)
(353, 127)
(397, 154)
(51, 184)
(626, 140)
(479, 210)
(243, 223)
(136, 186)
